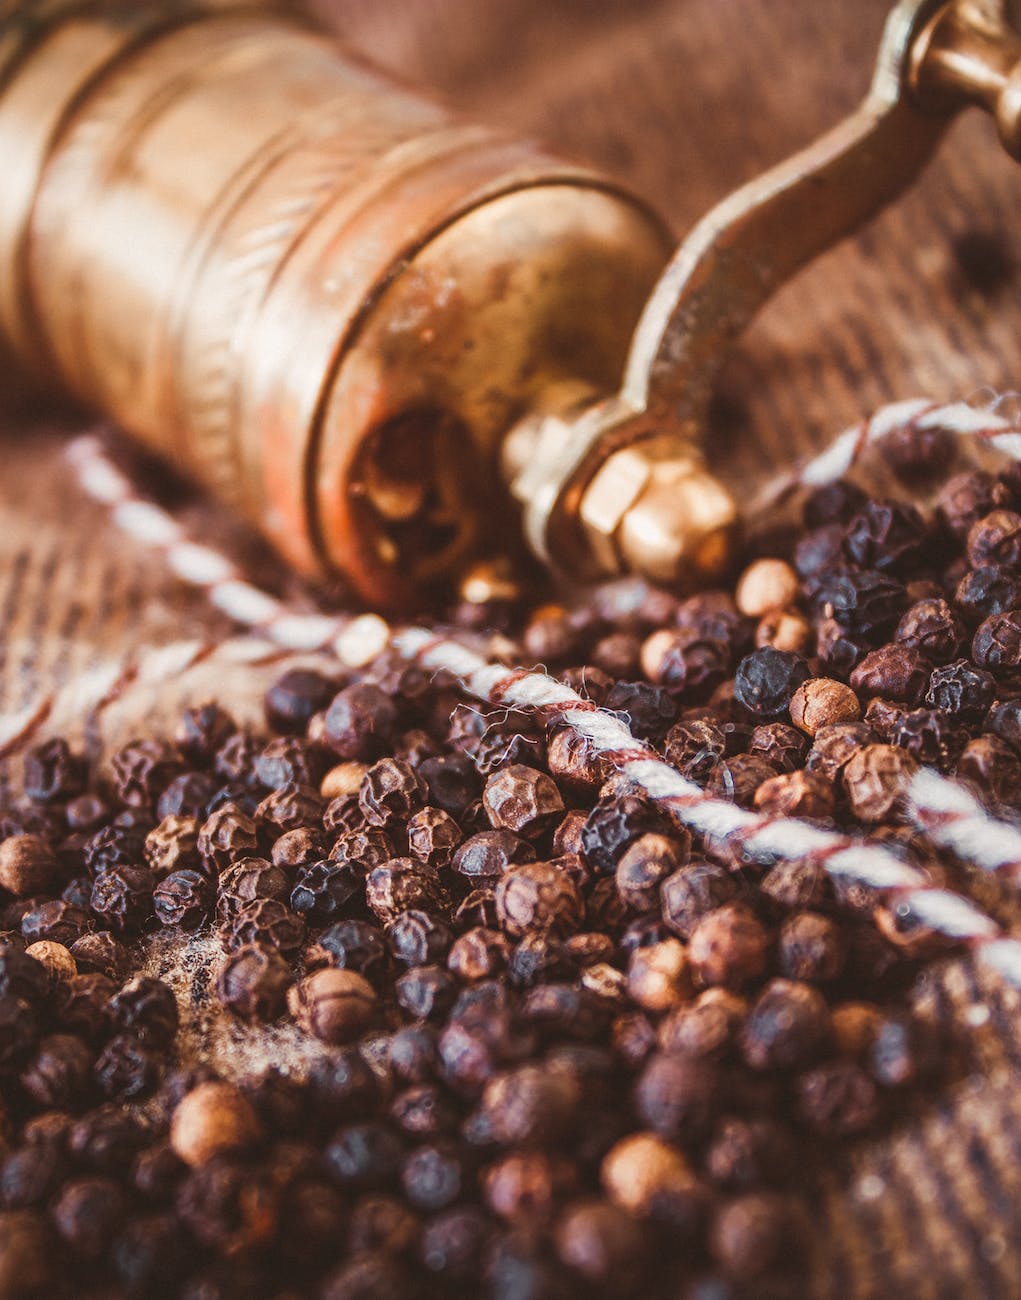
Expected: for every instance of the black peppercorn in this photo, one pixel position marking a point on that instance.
(766, 679)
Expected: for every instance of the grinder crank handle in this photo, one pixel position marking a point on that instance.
(624, 496)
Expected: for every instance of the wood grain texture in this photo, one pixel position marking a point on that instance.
(684, 99)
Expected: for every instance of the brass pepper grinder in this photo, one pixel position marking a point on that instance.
(372, 329)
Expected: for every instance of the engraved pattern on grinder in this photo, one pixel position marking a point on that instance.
(107, 366)
(253, 245)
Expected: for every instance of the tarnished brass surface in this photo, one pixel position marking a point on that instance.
(360, 321)
(312, 289)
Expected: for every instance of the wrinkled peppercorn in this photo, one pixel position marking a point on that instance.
(253, 982)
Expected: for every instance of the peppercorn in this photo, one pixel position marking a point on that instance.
(693, 892)
(838, 1099)
(961, 690)
(83, 1005)
(264, 921)
(57, 1075)
(401, 885)
(766, 679)
(365, 849)
(931, 628)
(875, 780)
(417, 938)
(786, 1028)
(351, 945)
(333, 1004)
(433, 835)
(1004, 722)
(862, 601)
(796, 794)
(756, 1234)
(360, 723)
(983, 593)
(364, 1156)
(183, 898)
(646, 865)
(202, 730)
(247, 880)
(649, 1178)
(226, 835)
(425, 992)
(748, 1153)
(142, 769)
(114, 846)
(52, 773)
(728, 946)
(649, 711)
(324, 891)
(997, 643)
(530, 1105)
(288, 808)
(26, 1254)
(27, 865)
(126, 1068)
(538, 896)
(293, 699)
(229, 1206)
(893, 672)
(147, 1008)
(885, 535)
(811, 948)
(766, 585)
(87, 1213)
(172, 845)
(55, 922)
(210, 1121)
(54, 957)
(288, 761)
(658, 976)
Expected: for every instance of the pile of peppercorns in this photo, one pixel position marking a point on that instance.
(566, 1048)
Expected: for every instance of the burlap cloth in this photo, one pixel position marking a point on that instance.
(684, 99)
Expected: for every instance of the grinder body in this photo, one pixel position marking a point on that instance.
(315, 292)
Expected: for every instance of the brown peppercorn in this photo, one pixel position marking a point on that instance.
(298, 848)
(786, 1028)
(246, 880)
(602, 1244)
(531, 1104)
(997, 643)
(523, 800)
(538, 896)
(213, 1119)
(333, 1004)
(264, 921)
(766, 585)
(875, 780)
(822, 702)
(729, 947)
(801, 882)
(55, 957)
(893, 672)
(227, 834)
(838, 1099)
(433, 835)
(646, 865)
(100, 952)
(747, 1153)
(784, 629)
(811, 948)
(390, 792)
(678, 1097)
(739, 778)
(931, 627)
(756, 1234)
(796, 794)
(992, 767)
(478, 954)
(835, 746)
(651, 1179)
(855, 1025)
(402, 885)
(658, 976)
(707, 1027)
(27, 866)
(253, 982)
(525, 1186)
(172, 845)
(692, 893)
